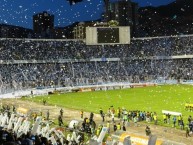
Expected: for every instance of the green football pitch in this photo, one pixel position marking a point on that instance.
(153, 99)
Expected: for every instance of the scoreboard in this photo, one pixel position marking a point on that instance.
(110, 35)
(107, 35)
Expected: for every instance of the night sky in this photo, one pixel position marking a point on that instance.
(20, 12)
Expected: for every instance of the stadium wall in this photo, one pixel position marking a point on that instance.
(40, 91)
(46, 91)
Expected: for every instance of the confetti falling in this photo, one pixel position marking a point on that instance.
(20, 12)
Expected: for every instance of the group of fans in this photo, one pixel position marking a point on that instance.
(125, 117)
(29, 49)
(15, 131)
(28, 63)
(189, 107)
(31, 63)
(122, 121)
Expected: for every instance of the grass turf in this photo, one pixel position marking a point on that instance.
(155, 99)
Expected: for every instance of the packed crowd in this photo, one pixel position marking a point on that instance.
(133, 66)
(21, 76)
(16, 128)
(26, 49)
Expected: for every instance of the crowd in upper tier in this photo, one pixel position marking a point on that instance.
(25, 49)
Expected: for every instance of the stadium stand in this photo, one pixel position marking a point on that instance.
(29, 63)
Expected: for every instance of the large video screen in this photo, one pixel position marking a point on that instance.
(108, 35)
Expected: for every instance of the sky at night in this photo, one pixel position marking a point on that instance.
(20, 12)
